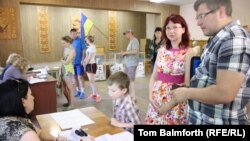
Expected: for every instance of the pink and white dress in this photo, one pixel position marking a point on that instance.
(170, 69)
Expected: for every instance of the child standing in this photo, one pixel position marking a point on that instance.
(125, 112)
(91, 67)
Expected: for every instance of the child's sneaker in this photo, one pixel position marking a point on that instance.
(82, 95)
(92, 96)
(78, 93)
(98, 98)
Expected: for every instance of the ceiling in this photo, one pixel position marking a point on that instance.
(175, 2)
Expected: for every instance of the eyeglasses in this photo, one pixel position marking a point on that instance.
(173, 28)
(202, 16)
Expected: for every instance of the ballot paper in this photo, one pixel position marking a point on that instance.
(72, 118)
(123, 136)
(36, 80)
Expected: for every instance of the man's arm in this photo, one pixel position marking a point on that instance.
(134, 49)
(224, 91)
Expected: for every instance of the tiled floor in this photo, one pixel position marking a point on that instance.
(106, 104)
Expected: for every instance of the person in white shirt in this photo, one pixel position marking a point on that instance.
(91, 67)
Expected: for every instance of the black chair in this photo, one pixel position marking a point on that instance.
(195, 62)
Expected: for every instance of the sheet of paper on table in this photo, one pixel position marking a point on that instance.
(72, 118)
(123, 136)
(36, 80)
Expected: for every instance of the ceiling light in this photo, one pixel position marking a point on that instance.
(156, 1)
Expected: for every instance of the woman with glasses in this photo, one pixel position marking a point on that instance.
(16, 102)
(172, 67)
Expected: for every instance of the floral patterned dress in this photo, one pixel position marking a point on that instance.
(170, 70)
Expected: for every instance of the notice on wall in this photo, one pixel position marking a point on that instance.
(112, 30)
(8, 26)
(43, 29)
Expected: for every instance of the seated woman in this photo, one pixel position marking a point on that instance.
(16, 70)
(16, 102)
(17, 95)
(11, 59)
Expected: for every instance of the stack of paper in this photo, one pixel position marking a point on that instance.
(36, 80)
(69, 119)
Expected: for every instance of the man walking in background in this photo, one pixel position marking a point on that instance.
(131, 59)
(80, 46)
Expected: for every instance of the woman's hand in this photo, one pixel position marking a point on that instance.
(154, 103)
(165, 107)
(179, 95)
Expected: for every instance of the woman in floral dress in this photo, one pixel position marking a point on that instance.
(172, 67)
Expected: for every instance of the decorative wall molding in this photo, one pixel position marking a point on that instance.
(112, 26)
(8, 26)
(43, 29)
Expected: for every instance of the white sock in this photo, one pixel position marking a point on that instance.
(77, 89)
(82, 90)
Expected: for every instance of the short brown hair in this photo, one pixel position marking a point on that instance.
(67, 39)
(121, 79)
(214, 4)
(91, 38)
(73, 30)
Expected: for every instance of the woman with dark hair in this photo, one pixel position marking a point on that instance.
(172, 67)
(16, 102)
(154, 45)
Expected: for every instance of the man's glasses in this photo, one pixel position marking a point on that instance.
(202, 16)
(173, 28)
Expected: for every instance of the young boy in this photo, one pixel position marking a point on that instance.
(125, 112)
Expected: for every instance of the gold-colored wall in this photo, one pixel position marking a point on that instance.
(60, 24)
(23, 45)
(14, 45)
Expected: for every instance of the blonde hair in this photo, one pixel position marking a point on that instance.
(12, 58)
(21, 64)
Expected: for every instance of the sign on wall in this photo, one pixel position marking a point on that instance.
(112, 30)
(8, 27)
(43, 29)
